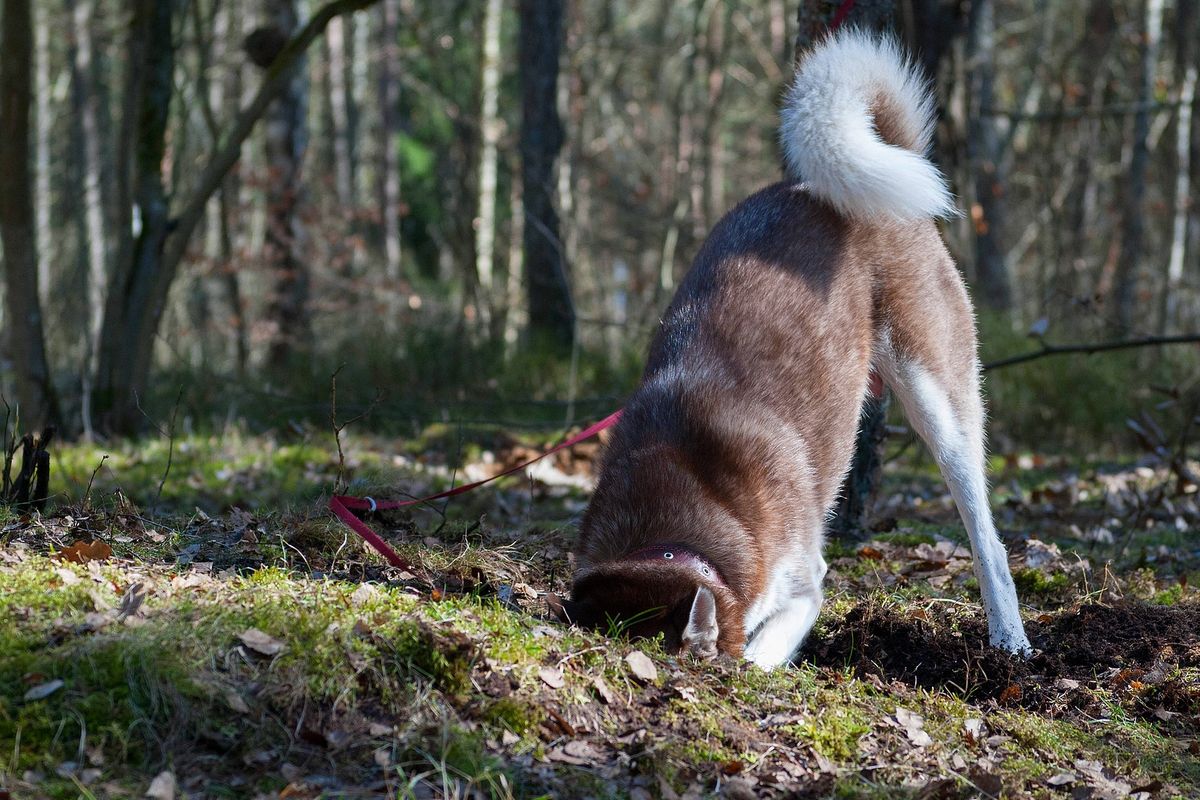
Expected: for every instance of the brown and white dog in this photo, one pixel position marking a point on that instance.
(707, 522)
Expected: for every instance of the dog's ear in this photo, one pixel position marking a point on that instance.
(700, 635)
(583, 614)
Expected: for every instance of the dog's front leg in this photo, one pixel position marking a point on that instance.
(778, 638)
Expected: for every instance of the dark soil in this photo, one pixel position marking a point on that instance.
(1132, 651)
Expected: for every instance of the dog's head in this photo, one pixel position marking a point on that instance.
(645, 598)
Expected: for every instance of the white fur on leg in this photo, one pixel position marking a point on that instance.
(957, 446)
(781, 635)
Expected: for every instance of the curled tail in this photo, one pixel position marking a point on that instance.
(856, 124)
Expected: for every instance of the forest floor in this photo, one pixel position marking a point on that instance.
(209, 630)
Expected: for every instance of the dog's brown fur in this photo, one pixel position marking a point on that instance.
(733, 448)
(773, 326)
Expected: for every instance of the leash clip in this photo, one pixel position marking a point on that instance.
(374, 506)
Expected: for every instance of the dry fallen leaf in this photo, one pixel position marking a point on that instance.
(914, 727)
(261, 642)
(641, 666)
(362, 594)
(1011, 694)
(605, 693)
(83, 552)
(43, 690)
(162, 787)
(235, 701)
(1104, 784)
(68, 577)
(1061, 779)
(552, 677)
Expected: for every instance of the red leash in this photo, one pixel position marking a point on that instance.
(344, 506)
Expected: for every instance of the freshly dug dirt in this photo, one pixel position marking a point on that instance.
(1133, 650)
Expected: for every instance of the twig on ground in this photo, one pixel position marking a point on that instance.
(340, 484)
(168, 434)
(87, 495)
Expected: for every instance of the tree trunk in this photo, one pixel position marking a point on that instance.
(141, 282)
(86, 101)
(284, 145)
(1187, 29)
(389, 167)
(214, 98)
(993, 289)
(551, 313)
(389, 149)
(43, 93)
(1100, 30)
(130, 314)
(851, 515)
(23, 311)
(340, 101)
(1133, 216)
(489, 125)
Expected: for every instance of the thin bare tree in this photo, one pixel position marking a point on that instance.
(25, 340)
(489, 131)
(993, 287)
(1133, 217)
(1187, 31)
(551, 312)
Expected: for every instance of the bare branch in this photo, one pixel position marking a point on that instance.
(274, 82)
(1097, 347)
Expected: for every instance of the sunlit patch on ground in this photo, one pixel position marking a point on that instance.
(231, 639)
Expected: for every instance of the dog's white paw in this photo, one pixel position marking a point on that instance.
(1011, 638)
(763, 655)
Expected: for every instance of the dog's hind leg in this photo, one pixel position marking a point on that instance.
(932, 366)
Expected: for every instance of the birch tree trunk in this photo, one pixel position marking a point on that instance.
(489, 123)
(1133, 215)
(23, 313)
(551, 313)
(1187, 29)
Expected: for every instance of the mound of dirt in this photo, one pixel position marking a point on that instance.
(1135, 651)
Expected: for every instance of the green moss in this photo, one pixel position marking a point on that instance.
(1034, 582)
(834, 734)
(1170, 596)
(513, 714)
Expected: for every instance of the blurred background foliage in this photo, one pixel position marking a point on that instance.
(378, 218)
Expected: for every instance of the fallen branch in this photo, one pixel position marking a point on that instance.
(1088, 349)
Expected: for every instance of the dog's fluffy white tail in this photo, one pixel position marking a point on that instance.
(856, 124)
